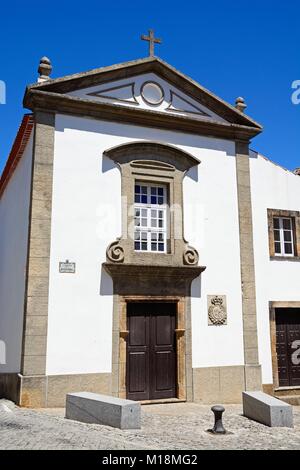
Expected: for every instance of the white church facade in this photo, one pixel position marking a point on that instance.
(145, 251)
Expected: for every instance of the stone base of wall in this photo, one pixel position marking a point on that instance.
(49, 391)
(268, 389)
(210, 385)
(225, 384)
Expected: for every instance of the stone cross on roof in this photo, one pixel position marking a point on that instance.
(152, 40)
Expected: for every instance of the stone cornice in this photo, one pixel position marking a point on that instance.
(55, 102)
(144, 272)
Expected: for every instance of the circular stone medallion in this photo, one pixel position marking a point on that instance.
(152, 93)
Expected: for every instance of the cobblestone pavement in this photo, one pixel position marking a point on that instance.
(170, 426)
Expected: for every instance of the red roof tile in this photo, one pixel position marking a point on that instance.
(17, 150)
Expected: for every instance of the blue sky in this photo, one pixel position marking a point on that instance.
(233, 48)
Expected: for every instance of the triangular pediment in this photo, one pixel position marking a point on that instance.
(148, 92)
(122, 93)
(143, 85)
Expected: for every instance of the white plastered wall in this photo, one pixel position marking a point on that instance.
(86, 217)
(14, 219)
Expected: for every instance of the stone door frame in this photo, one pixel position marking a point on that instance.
(272, 307)
(183, 343)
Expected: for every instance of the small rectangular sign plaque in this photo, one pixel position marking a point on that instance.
(67, 267)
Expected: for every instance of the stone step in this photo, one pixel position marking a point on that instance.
(94, 408)
(291, 399)
(287, 391)
(267, 410)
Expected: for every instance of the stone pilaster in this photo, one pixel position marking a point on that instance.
(37, 285)
(252, 368)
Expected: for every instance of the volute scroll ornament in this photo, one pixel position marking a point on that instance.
(191, 256)
(115, 252)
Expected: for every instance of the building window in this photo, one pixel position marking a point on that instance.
(283, 236)
(150, 218)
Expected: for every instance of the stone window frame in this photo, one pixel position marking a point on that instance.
(284, 225)
(183, 350)
(295, 216)
(157, 163)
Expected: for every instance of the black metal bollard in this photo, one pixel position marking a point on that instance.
(218, 428)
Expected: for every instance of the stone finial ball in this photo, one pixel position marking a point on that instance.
(45, 60)
(240, 104)
(45, 68)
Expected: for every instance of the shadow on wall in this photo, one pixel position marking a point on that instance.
(196, 288)
(106, 283)
(253, 154)
(132, 132)
(121, 131)
(107, 164)
(193, 173)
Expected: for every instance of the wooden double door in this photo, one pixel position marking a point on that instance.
(288, 346)
(151, 351)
